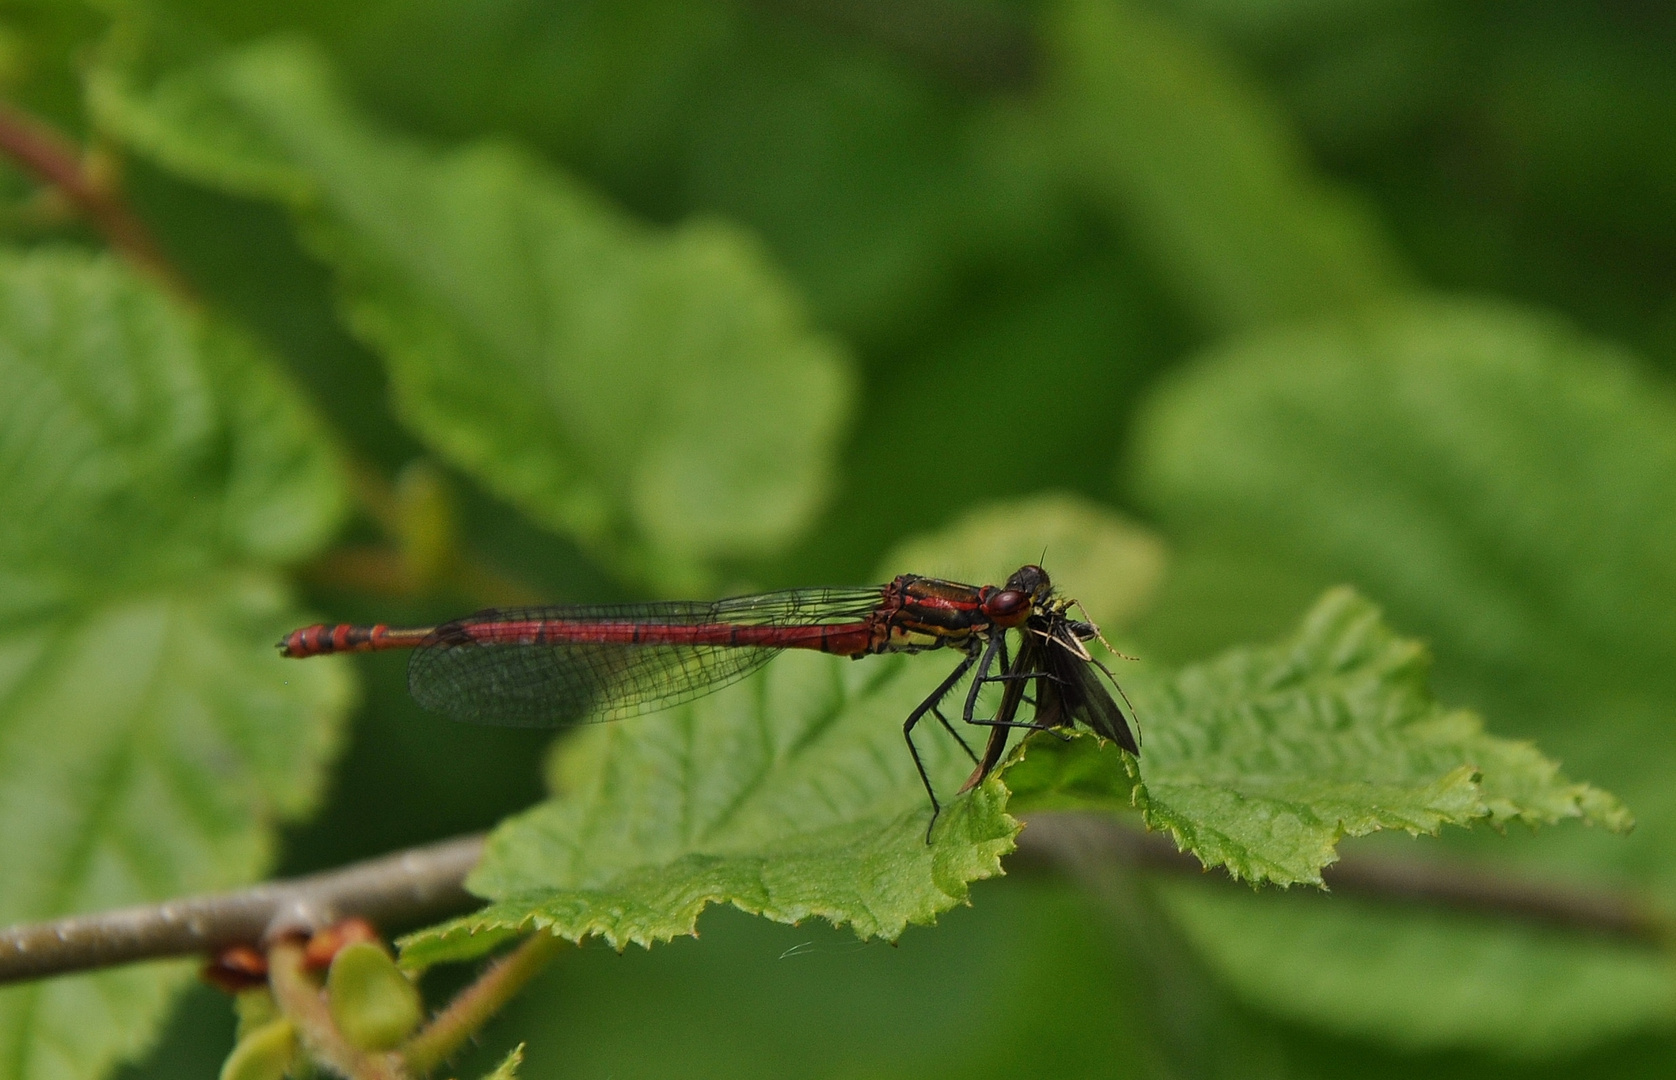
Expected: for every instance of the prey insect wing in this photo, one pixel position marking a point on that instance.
(1075, 692)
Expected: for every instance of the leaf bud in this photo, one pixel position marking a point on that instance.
(267, 1053)
(372, 1002)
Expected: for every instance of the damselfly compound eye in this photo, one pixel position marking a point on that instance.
(1007, 607)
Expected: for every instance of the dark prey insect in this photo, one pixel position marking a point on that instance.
(560, 666)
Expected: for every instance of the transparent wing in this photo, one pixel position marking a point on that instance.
(555, 684)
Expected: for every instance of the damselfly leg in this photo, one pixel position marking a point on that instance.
(984, 654)
(930, 705)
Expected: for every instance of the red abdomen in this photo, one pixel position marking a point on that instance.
(322, 638)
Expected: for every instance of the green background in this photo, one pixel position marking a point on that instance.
(1379, 292)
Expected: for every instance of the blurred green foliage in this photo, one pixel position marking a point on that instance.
(155, 472)
(936, 290)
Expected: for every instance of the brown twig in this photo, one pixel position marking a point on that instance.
(1442, 882)
(1451, 883)
(53, 159)
(413, 886)
(409, 887)
(451, 1028)
(403, 889)
(300, 1000)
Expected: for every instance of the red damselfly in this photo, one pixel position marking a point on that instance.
(560, 666)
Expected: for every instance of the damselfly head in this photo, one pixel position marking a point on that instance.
(1033, 582)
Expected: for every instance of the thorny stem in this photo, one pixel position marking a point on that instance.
(300, 999)
(54, 160)
(476, 1004)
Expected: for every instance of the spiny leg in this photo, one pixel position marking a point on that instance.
(1023, 676)
(997, 643)
(1025, 725)
(948, 727)
(979, 681)
(1014, 677)
(930, 705)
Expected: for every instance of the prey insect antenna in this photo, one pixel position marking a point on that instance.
(1074, 646)
(1097, 634)
(1071, 644)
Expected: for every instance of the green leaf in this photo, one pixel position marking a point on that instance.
(1421, 978)
(658, 395)
(1500, 480)
(153, 468)
(1259, 761)
(1262, 760)
(1503, 483)
(864, 176)
(756, 1000)
(40, 41)
(790, 795)
(1199, 165)
(1111, 565)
